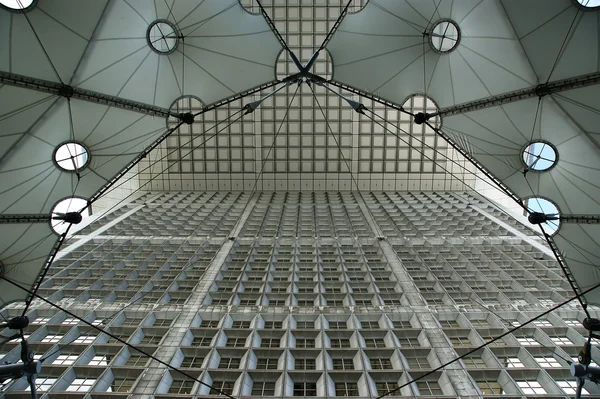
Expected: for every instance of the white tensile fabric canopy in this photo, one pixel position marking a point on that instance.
(104, 73)
(504, 46)
(216, 50)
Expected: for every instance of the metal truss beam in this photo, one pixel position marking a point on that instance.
(366, 95)
(59, 89)
(523, 94)
(24, 218)
(494, 101)
(580, 219)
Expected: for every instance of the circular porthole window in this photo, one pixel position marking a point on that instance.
(65, 206)
(539, 206)
(17, 5)
(162, 36)
(444, 36)
(71, 156)
(540, 156)
(589, 4)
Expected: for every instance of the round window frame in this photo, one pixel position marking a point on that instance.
(87, 200)
(586, 8)
(171, 124)
(528, 168)
(85, 165)
(458, 35)
(149, 41)
(19, 10)
(437, 107)
(535, 197)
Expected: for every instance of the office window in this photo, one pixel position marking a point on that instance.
(375, 342)
(513, 362)
(182, 386)
(81, 385)
(429, 388)
(201, 341)
(122, 384)
(240, 323)
(449, 324)
(263, 389)
(43, 384)
(52, 338)
(336, 325)
(267, 363)
(65, 360)
(547, 361)
(273, 325)
(209, 323)
(381, 364)
(384, 387)
(163, 322)
(41, 320)
(527, 341)
(132, 321)
(192, 361)
(270, 343)
(343, 364)
(85, 339)
(340, 343)
(346, 389)
(305, 389)
(236, 342)
(136, 360)
(474, 362)
(369, 325)
(223, 386)
(305, 364)
(305, 343)
(70, 321)
(305, 325)
(531, 387)
(415, 362)
(229, 363)
(98, 361)
(570, 387)
(542, 323)
(409, 342)
(561, 341)
(572, 322)
(151, 338)
(490, 387)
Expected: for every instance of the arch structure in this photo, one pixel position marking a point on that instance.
(515, 83)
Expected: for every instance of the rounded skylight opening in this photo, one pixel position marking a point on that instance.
(419, 104)
(541, 205)
(588, 4)
(183, 110)
(62, 207)
(539, 156)
(444, 36)
(162, 36)
(17, 5)
(71, 156)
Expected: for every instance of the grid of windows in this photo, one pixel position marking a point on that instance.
(383, 342)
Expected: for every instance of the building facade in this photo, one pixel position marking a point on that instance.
(323, 294)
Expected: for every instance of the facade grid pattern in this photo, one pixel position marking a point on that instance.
(303, 301)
